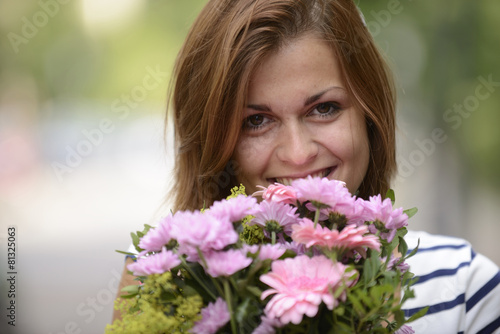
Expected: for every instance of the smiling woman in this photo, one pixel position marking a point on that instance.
(272, 60)
(270, 91)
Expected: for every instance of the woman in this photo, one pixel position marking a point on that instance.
(274, 90)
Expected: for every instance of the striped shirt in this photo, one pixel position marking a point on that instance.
(461, 287)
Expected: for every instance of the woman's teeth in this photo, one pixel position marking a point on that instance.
(288, 180)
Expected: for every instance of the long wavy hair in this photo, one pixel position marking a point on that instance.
(228, 40)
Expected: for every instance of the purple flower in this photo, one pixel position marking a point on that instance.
(275, 212)
(267, 326)
(226, 263)
(298, 249)
(155, 264)
(403, 266)
(382, 211)
(233, 209)
(158, 236)
(323, 192)
(203, 231)
(405, 329)
(213, 317)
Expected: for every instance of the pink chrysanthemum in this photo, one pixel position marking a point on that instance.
(203, 231)
(282, 214)
(300, 284)
(278, 192)
(266, 251)
(382, 211)
(213, 317)
(233, 209)
(225, 263)
(158, 236)
(351, 238)
(358, 214)
(267, 326)
(154, 264)
(322, 192)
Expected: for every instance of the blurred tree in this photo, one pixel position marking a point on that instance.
(461, 44)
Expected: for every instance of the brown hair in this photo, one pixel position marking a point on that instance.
(225, 44)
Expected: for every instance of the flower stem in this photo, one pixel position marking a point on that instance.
(227, 292)
(273, 238)
(199, 280)
(316, 217)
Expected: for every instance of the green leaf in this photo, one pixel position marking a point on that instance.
(126, 253)
(414, 250)
(135, 238)
(129, 296)
(399, 316)
(390, 194)
(189, 291)
(131, 289)
(254, 290)
(410, 212)
(367, 272)
(358, 307)
(403, 246)
(339, 310)
(419, 314)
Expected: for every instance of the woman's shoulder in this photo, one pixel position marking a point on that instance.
(455, 283)
(438, 255)
(430, 242)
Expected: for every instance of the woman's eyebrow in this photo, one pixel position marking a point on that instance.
(258, 107)
(308, 101)
(316, 97)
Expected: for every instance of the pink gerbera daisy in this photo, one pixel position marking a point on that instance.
(301, 284)
(278, 192)
(351, 238)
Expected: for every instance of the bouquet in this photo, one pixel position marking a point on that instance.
(309, 258)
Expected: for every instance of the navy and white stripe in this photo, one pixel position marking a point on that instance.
(461, 288)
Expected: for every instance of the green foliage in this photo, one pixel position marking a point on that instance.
(159, 307)
(137, 236)
(235, 191)
(252, 234)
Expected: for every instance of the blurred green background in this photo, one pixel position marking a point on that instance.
(82, 163)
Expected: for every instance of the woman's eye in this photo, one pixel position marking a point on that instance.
(326, 109)
(254, 122)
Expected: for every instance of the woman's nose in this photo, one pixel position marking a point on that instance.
(297, 145)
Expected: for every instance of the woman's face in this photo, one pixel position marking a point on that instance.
(300, 121)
